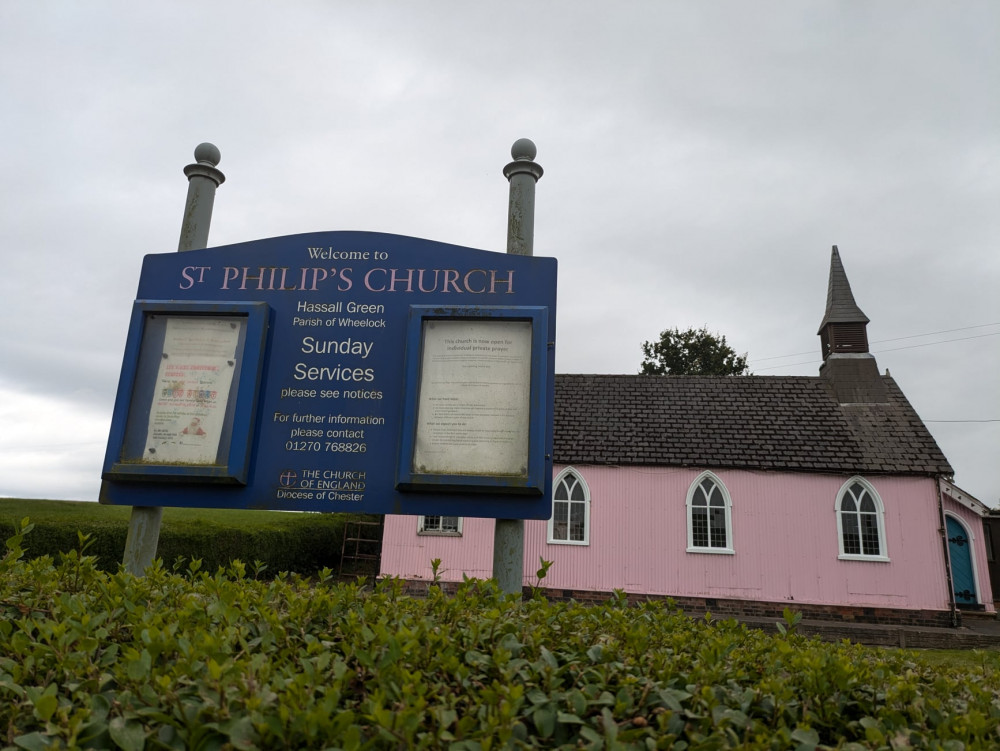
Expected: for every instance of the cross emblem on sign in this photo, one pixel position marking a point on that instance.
(288, 478)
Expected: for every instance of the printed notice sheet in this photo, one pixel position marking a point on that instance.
(192, 390)
(475, 387)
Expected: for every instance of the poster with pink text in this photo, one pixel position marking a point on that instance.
(192, 390)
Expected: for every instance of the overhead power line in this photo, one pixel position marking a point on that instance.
(874, 352)
(943, 341)
(894, 339)
(934, 333)
(991, 420)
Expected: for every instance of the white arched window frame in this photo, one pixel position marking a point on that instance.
(860, 522)
(570, 520)
(709, 516)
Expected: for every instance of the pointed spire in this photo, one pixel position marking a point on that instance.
(840, 305)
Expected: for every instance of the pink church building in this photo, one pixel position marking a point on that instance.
(741, 495)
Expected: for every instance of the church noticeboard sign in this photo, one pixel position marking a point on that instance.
(338, 371)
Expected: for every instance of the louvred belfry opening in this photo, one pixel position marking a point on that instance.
(844, 337)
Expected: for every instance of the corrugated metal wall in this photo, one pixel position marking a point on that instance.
(784, 533)
(408, 555)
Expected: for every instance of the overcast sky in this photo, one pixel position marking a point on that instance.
(701, 158)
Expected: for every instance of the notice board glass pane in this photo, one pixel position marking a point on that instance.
(474, 403)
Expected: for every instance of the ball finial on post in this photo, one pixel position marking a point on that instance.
(523, 150)
(207, 153)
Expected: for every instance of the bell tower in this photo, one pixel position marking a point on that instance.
(844, 327)
(847, 364)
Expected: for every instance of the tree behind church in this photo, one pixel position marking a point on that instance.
(691, 352)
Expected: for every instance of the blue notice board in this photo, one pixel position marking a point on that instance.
(338, 372)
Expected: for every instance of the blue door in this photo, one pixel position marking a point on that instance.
(960, 551)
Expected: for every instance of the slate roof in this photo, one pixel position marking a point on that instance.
(788, 423)
(840, 304)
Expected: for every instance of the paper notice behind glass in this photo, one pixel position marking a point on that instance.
(475, 385)
(192, 390)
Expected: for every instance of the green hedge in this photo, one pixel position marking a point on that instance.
(213, 660)
(294, 542)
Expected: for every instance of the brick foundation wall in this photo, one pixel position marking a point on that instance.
(752, 610)
(744, 610)
(885, 627)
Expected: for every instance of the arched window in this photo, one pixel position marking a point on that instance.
(570, 522)
(860, 524)
(709, 516)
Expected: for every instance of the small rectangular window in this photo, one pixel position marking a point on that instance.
(440, 525)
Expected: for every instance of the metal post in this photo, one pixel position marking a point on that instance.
(523, 173)
(203, 179)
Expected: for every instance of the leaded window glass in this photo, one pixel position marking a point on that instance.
(860, 522)
(709, 515)
(570, 510)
